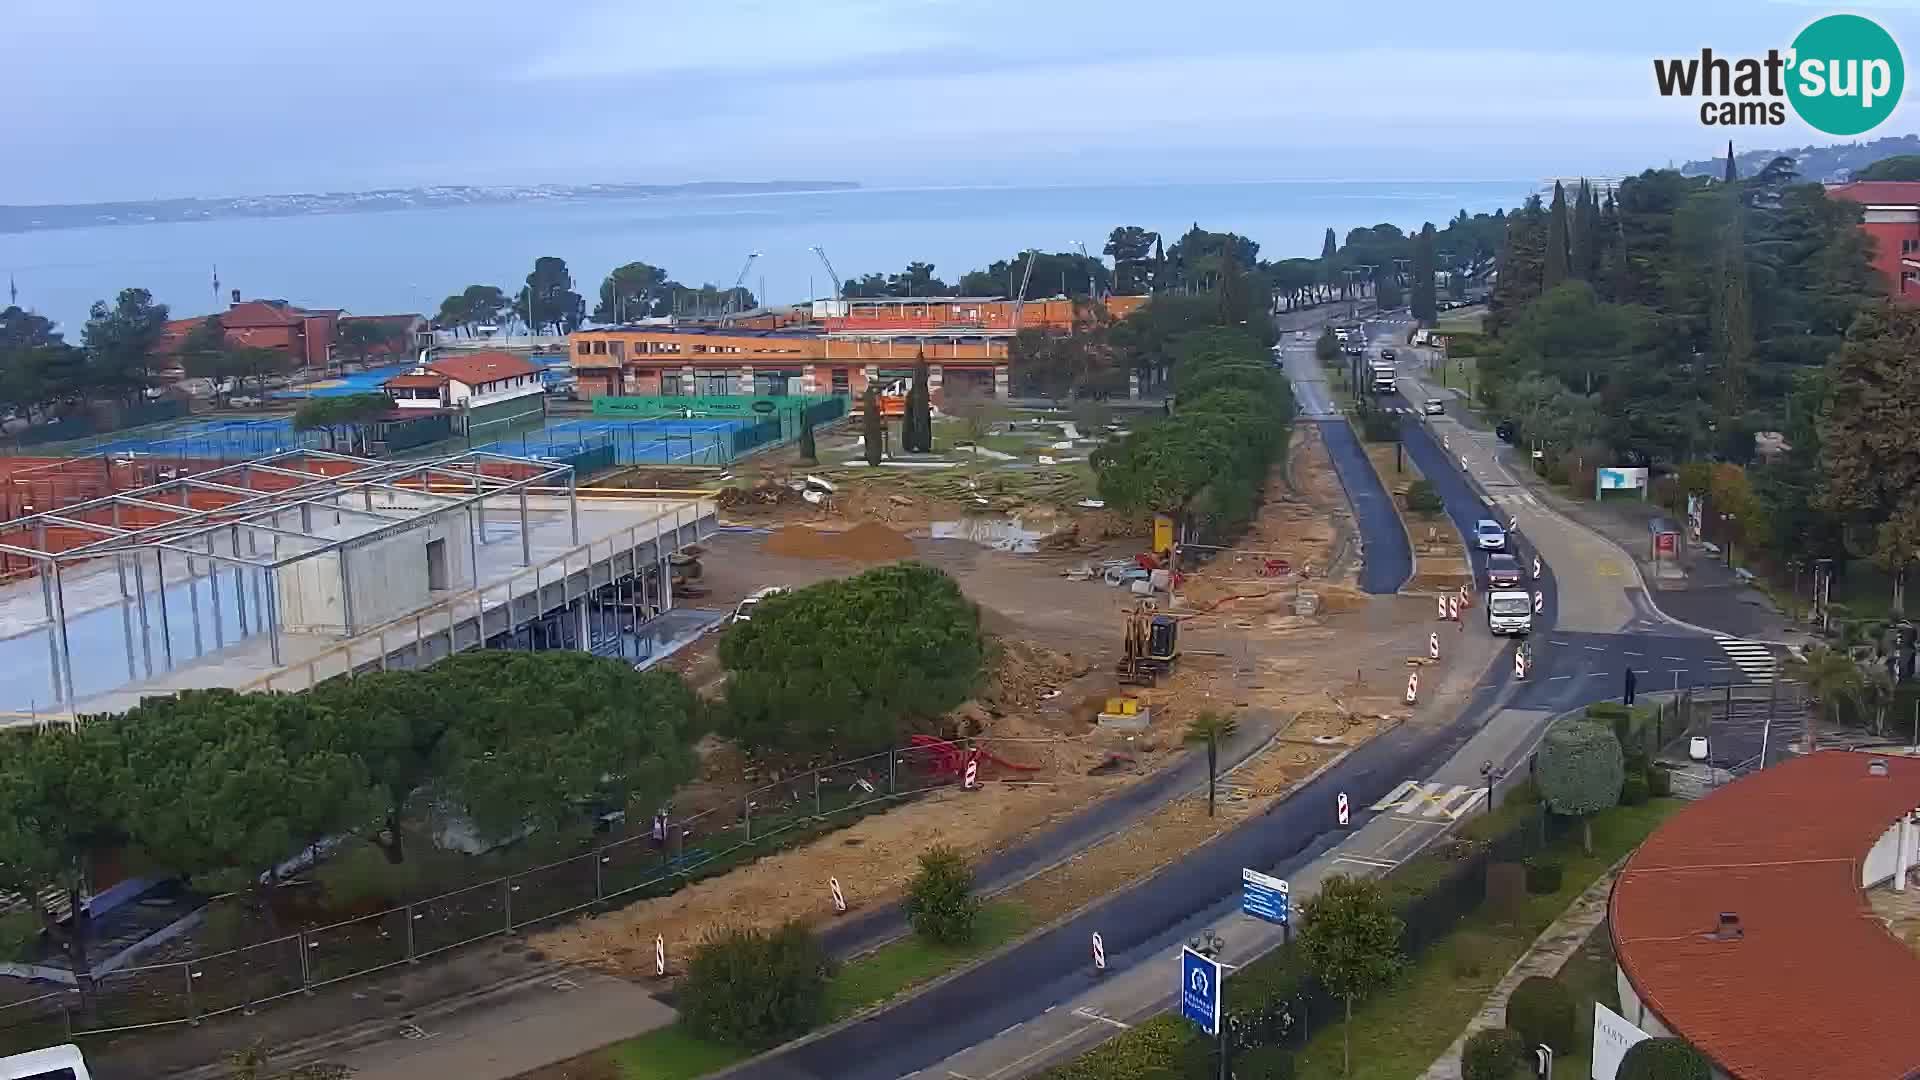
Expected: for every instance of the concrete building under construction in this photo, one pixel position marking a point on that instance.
(279, 573)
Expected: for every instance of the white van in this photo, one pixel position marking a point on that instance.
(51, 1063)
(744, 612)
(1510, 611)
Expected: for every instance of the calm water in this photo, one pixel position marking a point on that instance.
(408, 261)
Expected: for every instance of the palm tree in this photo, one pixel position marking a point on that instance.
(1830, 677)
(1210, 727)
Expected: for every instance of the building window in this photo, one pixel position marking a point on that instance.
(1907, 246)
(842, 384)
(599, 348)
(716, 385)
(618, 349)
(583, 347)
(670, 386)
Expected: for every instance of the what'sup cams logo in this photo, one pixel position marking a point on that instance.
(1843, 76)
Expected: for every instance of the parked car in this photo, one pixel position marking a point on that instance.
(1489, 535)
(1505, 430)
(744, 611)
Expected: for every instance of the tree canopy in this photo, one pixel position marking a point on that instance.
(1580, 771)
(1351, 937)
(854, 662)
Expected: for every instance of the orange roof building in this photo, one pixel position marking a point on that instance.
(1741, 925)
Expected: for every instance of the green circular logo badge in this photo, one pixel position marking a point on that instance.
(1847, 75)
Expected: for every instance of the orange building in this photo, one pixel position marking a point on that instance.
(1891, 217)
(833, 347)
(305, 335)
(667, 361)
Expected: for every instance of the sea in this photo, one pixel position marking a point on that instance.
(407, 261)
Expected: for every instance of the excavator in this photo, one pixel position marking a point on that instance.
(1150, 646)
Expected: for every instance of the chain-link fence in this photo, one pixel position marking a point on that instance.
(655, 858)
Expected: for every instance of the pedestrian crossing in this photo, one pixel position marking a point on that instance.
(1755, 659)
(1511, 497)
(1430, 801)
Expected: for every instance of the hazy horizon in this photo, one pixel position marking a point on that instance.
(215, 99)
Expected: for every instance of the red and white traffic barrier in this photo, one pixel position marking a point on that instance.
(971, 778)
(1453, 608)
(659, 956)
(1099, 952)
(1433, 646)
(1536, 568)
(839, 898)
(1340, 808)
(1520, 664)
(1413, 687)
(1539, 601)
(1441, 603)
(1466, 595)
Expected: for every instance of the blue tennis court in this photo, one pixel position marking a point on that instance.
(652, 441)
(554, 371)
(223, 440)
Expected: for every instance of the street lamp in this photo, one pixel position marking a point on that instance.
(1493, 776)
(1726, 537)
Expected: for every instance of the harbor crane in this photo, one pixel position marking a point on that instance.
(822, 255)
(733, 294)
(1020, 298)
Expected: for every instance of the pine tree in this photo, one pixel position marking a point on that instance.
(1556, 264)
(873, 429)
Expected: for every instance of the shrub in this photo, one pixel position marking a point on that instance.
(1263, 1063)
(940, 905)
(1422, 499)
(1633, 791)
(19, 934)
(1491, 1054)
(751, 989)
(1663, 1059)
(1659, 781)
(1607, 710)
(1544, 875)
(1542, 1011)
(1151, 1051)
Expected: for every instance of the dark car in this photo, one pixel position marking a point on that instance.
(1503, 572)
(1505, 430)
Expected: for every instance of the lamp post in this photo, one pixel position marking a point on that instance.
(1492, 776)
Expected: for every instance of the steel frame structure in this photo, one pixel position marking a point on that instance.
(459, 484)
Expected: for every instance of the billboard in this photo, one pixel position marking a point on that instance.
(1613, 1035)
(1622, 479)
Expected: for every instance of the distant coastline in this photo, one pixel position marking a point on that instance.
(21, 219)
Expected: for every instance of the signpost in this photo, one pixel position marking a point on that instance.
(1264, 896)
(1200, 989)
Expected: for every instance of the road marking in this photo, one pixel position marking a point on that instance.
(1594, 648)
(1555, 641)
(1430, 801)
(1609, 568)
(1680, 659)
(1088, 1014)
(1378, 864)
(1630, 654)
(1755, 659)
(1557, 678)
(1596, 674)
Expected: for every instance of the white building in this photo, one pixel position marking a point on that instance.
(473, 381)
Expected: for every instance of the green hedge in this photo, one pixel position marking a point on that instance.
(1491, 1054)
(1541, 1010)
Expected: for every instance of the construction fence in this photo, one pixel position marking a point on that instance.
(651, 860)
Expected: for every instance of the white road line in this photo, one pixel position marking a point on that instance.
(1679, 659)
(1558, 678)
(1594, 648)
(1630, 654)
(1088, 1014)
(1379, 864)
(1596, 674)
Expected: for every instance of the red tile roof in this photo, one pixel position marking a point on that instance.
(1879, 192)
(1816, 986)
(260, 313)
(427, 381)
(474, 369)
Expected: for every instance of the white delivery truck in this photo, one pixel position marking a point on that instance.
(1510, 611)
(52, 1063)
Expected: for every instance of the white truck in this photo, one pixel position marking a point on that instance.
(1381, 376)
(1510, 612)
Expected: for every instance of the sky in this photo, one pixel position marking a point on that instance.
(129, 99)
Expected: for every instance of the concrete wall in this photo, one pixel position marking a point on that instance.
(388, 578)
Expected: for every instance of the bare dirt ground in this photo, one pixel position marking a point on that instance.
(1332, 677)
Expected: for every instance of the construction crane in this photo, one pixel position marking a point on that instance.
(821, 253)
(1150, 645)
(733, 294)
(1020, 298)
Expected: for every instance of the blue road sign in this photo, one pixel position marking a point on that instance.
(1200, 990)
(1264, 897)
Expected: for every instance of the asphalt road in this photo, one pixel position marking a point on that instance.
(1386, 559)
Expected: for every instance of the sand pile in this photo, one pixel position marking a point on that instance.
(865, 542)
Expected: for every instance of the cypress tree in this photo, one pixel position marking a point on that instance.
(1556, 263)
(872, 427)
(1423, 299)
(1328, 249)
(1733, 174)
(916, 429)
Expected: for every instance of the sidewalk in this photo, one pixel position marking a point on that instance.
(1706, 594)
(1548, 954)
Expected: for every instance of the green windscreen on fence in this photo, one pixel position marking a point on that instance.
(701, 406)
